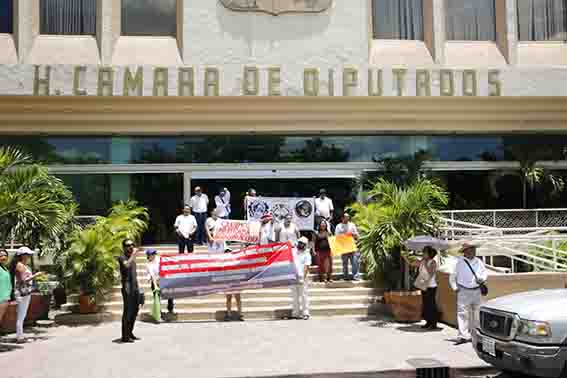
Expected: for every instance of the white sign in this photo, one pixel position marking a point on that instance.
(302, 210)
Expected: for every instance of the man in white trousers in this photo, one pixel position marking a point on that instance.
(467, 285)
(300, 291)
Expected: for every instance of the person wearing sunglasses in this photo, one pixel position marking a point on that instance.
(130, 290)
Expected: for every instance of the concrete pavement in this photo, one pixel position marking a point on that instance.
(235, 349)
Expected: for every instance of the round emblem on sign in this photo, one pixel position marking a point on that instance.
(304, 209)
(280, 212)
(257, 208)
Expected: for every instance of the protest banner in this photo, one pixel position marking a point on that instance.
(302, 210)
(342, 244)
(255, 267)
(234, 230)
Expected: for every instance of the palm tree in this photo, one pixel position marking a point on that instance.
(396, 213)
(35, 207)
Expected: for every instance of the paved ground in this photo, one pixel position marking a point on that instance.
(247, 349)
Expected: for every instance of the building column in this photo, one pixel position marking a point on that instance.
(506, 29)
(186, 187)
(434, 29)
(108, 28)
(26, 26)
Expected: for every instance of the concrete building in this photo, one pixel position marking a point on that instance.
(146, 99)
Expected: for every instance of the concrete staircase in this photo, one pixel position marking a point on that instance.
(340, 298)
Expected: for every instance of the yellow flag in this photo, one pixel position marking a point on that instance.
(342, 244)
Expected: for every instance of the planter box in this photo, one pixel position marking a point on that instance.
(38, 309)
(405, 305)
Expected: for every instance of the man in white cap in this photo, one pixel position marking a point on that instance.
(300, 291)
(470, 273)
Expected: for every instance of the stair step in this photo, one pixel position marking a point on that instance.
(314, 292)
(209, 314)
(220, 303)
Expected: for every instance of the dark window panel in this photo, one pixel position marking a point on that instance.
(6, 16)
(68, 17)
(149, 17)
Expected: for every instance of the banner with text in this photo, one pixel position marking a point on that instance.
(302, 210)
(235, 230)
(254, 267)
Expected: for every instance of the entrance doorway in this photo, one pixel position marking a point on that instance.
(342, 191)
(162, 194)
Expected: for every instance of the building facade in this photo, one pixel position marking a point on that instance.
(145, 99)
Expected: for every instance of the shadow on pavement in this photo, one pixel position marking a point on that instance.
(416, 328)
(9, 347)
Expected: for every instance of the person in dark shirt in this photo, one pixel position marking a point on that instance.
(130, 290)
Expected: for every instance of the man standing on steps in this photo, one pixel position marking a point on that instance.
(347, 227)
(222, 202)
(324, 209)
(185, 228)
(130, 290)
(199, 206)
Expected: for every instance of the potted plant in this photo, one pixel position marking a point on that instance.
(89, 264)
(394, 214)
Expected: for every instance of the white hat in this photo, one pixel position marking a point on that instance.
(24, 251)
(303, 240)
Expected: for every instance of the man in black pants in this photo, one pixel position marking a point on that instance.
(130, 290)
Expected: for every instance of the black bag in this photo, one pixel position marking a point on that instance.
(482, 286)
(141, 298)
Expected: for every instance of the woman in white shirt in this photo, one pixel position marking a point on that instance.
(428, 270)
(289, 232)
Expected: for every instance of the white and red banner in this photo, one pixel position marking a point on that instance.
(255, 267)
(302, 210)
(235, 230)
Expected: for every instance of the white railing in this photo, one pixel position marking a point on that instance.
(511, 218)
(539, 247)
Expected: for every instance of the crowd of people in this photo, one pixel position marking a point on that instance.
(309, 248)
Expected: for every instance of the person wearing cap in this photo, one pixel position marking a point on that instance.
(289, 231)
(467, 285)
(185, 228)
(323, 208)
(267, 230)
(152, 267)
(222, 202)
(130, 290)
(347, 227)
(5, 283)
(23, 277)
(299, 292)
(200, 206)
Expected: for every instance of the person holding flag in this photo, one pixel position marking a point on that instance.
(346, 227)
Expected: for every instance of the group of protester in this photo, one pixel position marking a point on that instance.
(16, 284)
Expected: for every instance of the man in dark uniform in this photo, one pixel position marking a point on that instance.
(130, 290)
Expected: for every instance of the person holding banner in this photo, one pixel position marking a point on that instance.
(299, 291)
(152, 267)
(323, 252)
(268, 230)
(214, 246)
(347, 227)
(289, 232)
(250, 193)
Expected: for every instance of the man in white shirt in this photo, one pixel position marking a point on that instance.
(323, 208)
(467, 285)
(300, 291)
(347, 227)
(199, 206)
(185, 228)
(222, 202)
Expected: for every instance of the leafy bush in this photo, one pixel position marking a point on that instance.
(89, 264)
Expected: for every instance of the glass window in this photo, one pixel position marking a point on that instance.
(397, 19)
(149, 17)
(471, 20)
(6, 16)
(68, 17)
(542, 20)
